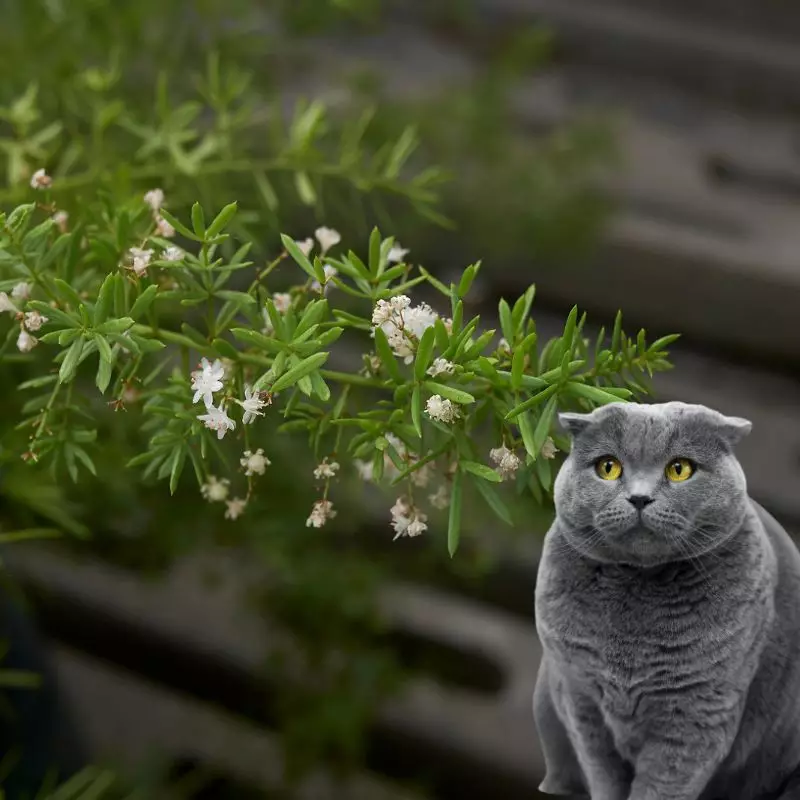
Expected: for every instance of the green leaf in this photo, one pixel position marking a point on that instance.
(70, 362)
(103, 347)
(454, 522)
(68, 293)
(54, 314)
(300, 370)
(84, 458)
(115, 325)
(305, 189)
(465, 284)
(198, 221)
(521, 310)
(144, 301)
(494, 502)
(226, 349)
(435, 282)
(221, 220)
(178, 461)
(616, 336)
(450, 392)
(267, 191)
(517, 365)
(526, 430)
(103, 377)
(528, 404)
(416, 410)
(594, 394)
(375, 252)
(387, 356)
(294, 251)
(506, 325)
(19, 218)
(179, 226)
(569, 332)
(29, 534)
(665, 341)
(424, 353)
(104, 299)
(544, 424)
(241, 298)
(481, 470)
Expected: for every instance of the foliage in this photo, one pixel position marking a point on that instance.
(108, 296)
(109, 381)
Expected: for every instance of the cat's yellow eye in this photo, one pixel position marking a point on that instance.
(608, 468)
(681, 469)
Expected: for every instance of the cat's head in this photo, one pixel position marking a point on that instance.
(649, 484)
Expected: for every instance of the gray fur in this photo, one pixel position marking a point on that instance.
(671, 666)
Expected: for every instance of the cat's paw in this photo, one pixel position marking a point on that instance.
(563, 786)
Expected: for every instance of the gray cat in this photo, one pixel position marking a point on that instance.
(668, 606)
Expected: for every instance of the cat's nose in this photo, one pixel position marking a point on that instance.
(639, 501)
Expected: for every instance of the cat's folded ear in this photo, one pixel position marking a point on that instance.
(730, 429)
(733, 429)
(575, 423)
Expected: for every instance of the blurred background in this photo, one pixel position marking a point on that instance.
(633, 154)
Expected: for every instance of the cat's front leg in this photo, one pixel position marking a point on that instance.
(605, 772)
(678, 768)
(563, 774)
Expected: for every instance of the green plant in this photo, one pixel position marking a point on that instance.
(109, 295)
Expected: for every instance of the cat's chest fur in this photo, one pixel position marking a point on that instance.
(642, 644)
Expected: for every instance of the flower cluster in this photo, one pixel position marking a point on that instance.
(155, 200)
(29, 321)
(403, 324)
(407, 519)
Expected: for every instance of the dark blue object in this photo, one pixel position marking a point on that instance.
(34, 724)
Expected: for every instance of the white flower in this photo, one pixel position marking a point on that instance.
(140, 260)
(215, 490)
(440, 499)
(392, 308)
(329, 273)
(235, 508)
(282, 302)
(507, 462)
(154, 198)
(41, 180)
(326, 470)
(163, 228)
(306, 246)
(207, 380)
(34, 320)
(173, 253)
(407, 520)
(503, 345)
(441, 366)
(252, 405)
(327, 238)
(26, 342)
(217, 420)
(61, 218)
(402, 325)
(320, 514)
(22, 291)
(549, 448)
(396, 254)
(6, 304)
(254, 463)
(364, 469)
(441, 409)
